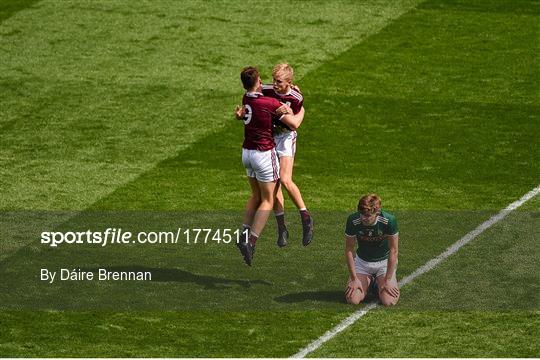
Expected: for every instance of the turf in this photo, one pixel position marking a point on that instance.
(110, 107)
(95, 93)
(439, 334)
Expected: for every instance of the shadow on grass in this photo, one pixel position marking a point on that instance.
(325, 296)
(182, 276)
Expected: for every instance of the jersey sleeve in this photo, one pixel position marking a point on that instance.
(275, 104)
(296, 105)
(392, 228)
(299, 106)
(349, 227)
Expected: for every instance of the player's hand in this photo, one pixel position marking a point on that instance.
(352, 285)
(390, 288)
(240, 112)
(284, 110)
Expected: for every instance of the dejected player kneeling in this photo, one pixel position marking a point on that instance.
(375, 232)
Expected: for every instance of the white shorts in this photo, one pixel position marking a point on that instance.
(262, 165)
(286, 143)
(375, 268)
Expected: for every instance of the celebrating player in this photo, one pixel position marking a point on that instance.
(376, 233)
(259, 157)
(285, 139)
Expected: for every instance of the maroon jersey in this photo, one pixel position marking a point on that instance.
(258, 121)
(293, 98)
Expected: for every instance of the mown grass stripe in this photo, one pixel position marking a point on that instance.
(8, 8)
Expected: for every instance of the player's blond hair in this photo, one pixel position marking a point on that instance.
(369, 204)
(284, 70)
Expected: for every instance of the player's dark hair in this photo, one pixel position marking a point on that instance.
(249, 76)
(369, 204)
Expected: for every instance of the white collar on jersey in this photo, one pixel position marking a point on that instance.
(253, 94)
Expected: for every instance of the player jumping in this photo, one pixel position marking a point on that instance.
(285, 139)
(259, 157)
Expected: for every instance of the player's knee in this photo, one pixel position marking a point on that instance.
(388, 300)
(256, 198)
(266, 203)
(356, 297)
(353, 301)
(287, 182)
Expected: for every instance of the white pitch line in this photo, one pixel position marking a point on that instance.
(421, 270)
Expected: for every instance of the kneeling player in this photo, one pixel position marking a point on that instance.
(376, 233)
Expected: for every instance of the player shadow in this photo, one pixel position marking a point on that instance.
(183, 276)
(324, 296)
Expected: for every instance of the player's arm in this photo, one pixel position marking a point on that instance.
(354, 282)
(289, 121)
(293, 121)
(350, 243)
(296, 119)
(240, 112)
(392, 264)
(299, 117)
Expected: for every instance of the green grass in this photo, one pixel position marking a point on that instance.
(403, 334)
(9, 8)
(109, 107)
(95, 93)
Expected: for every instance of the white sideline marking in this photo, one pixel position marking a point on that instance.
(351, 319)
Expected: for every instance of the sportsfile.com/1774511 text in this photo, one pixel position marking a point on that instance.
(114, 236)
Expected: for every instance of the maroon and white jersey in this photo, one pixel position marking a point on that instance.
(293, 98)
(258, 121)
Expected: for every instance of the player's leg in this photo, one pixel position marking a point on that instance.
(365, 275)
(286, 170)
(279, 203)
(266, 168)
(358, 295)
(252, 203)
(286, 163)
(385, 297)
(251, 206)
(267, 191)
(279, 211)
(255, 198)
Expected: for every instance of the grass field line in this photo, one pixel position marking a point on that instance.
(430, 265)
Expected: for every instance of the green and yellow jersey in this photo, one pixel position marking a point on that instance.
(372, 239)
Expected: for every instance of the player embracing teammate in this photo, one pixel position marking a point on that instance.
(259, 156)
(285, 137)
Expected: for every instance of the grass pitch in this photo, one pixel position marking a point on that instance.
(110, 106)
